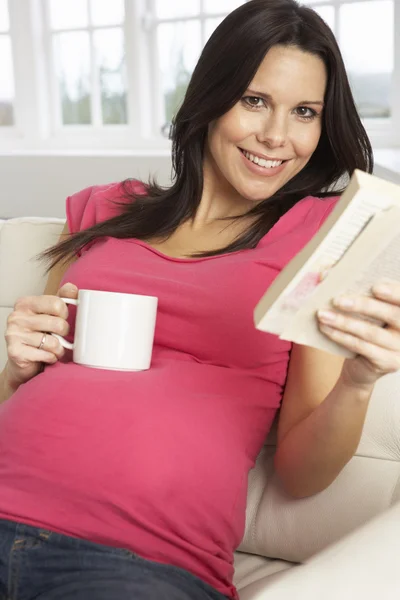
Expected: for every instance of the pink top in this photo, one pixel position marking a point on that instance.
(157, 461)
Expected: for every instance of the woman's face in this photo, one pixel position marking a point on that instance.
(272, 132)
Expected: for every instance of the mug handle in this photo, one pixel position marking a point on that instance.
(62, 340)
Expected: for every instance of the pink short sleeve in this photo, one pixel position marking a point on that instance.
(76, 206)
(95, 204)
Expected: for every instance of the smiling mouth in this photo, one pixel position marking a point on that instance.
(262, 162)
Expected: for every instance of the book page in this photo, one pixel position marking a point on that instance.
(386, 264)
(364, 205)
(358, 214)
(375, 254)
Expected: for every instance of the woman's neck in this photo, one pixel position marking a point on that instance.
(219, 199)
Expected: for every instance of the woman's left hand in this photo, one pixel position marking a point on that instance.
(377, 348)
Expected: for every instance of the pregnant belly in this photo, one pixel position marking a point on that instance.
(137, 445)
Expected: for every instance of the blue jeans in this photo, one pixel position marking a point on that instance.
(36, 564)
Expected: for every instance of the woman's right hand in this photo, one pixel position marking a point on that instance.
(31, 318)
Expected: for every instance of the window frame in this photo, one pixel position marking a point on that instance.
(151, 23)
(7, 33)
(34, 80)
(382, 132)
(96, 133)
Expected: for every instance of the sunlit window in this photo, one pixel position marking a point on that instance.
(89, 58)
(183, 27)
(7, 92)
(113, 73)
(365, 32)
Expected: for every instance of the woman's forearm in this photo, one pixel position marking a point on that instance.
(313, 452)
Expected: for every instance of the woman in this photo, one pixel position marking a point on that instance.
(133, 485)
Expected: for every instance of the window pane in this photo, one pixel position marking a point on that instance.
(6, 82)
(72, 51)
(4, 18)
(177, 8)
(327, 13)
(221, 6)
(110, 54)
(104, 12)
(179, 47)
(68, 14)
(368, 51)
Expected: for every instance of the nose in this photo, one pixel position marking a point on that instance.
(273, 131)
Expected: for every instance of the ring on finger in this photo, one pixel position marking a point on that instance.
(42, 342)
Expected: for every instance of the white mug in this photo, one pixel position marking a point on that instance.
(113, 330)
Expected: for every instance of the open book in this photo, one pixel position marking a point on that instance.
(358, 244)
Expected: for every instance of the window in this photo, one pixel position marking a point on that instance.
(6, 72)
(368, 50)
(87, 48)
(181, 30)
(98, 74)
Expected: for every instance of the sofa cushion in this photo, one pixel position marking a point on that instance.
(362, 566)
(367, 486)
(279, 526)
(251, 570)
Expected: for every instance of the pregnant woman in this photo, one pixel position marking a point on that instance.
(132, 485)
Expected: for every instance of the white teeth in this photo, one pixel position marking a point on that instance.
(268, 164)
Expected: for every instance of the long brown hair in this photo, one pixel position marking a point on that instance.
(227, 65)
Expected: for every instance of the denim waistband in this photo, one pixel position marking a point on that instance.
(35, 561)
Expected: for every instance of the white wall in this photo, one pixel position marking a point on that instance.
(33, 185)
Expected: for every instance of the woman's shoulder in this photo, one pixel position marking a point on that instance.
(99, 202)
(306, 216)
(314, 210)
(296, 228)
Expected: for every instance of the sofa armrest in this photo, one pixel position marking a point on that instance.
(282, 527)
(364, 564)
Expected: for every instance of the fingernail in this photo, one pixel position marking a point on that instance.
(382, 288)
(343, 302)
(326, 316)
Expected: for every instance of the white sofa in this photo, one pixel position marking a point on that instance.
(348, 536)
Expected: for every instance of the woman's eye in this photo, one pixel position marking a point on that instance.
(253, 101)
(306, 113)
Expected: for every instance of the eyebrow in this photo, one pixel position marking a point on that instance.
(268, 97)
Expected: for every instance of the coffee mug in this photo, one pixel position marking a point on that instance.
(113, 330)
